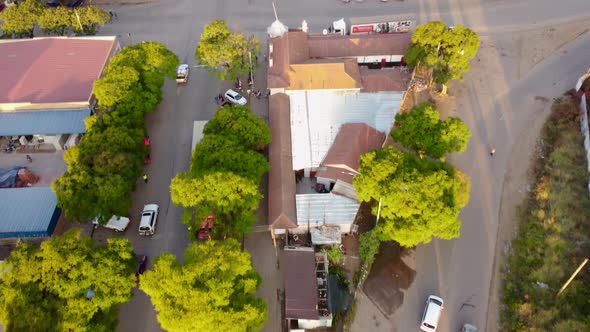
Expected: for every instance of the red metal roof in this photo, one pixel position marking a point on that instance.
(51, 70)
(353, 140)
(281, 182)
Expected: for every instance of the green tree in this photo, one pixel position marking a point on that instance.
(420, 198)
(20, 20)
(134, 77)
(335, 255)
(217, 153)
(91, 18)
(422, 130)
(446, 50)
(56, 20)
(231, 198)
(103, 168)
(369, 246)
(225, 53)
(212, 291)
(118, 83)
(238, 122)
(44, 288)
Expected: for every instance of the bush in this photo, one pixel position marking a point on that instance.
(553, 235)
(369, 247)
(335, 255)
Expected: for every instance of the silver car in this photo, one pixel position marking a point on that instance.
(235, 97)
(149, 218)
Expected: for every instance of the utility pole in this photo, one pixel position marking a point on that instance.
(78, 18)
(572, 277)
(378, 212)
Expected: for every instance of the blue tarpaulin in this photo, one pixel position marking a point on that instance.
(8, 176)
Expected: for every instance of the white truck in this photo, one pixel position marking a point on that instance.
(372, 25)
(118, 224)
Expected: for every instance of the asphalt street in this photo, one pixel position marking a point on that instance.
(458, 270)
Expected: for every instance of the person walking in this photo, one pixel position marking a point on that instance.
(29, 159)
(116, 17)
(145, 178)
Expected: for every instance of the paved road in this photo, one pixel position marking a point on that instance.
(460, 269)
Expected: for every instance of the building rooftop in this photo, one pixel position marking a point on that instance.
(338, 46)
(28, 212)
(281, 182)
(342, 160)
(301, 294)
(51, 69)
(301, 61)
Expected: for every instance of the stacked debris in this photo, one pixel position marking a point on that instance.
(17, 177)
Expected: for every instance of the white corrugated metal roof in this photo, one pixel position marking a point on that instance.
(325, 208)
(317, 115)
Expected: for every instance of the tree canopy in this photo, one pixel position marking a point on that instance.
(225, 53)
(420, 198)
(222, 153)
(231, 198)
(45, 287)
(212, 291)
(237, 122)
(422, 130)
(446, 50)
(20, 20)
(103, 168)
(226, 168)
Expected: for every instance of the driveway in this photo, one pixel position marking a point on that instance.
(459, 270)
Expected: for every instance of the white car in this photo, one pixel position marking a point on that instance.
(434, 307)
(149, 217)
(119, 224)
(182, 73)
(469, 328)
(235, 97)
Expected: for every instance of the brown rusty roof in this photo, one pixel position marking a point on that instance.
(352, 141)
(329, 46)
(385, 79)
(52, 69)
(301, 293)
(281, 183)
(283, 51)
(325, 74)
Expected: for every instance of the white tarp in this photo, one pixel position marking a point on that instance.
(325, 235)
(198, 127)
(276, 29)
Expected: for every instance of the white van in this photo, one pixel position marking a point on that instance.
(149, 217)
(119, 224)
(434, 307)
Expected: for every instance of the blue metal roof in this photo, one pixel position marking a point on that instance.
(43, 122)
(28, 212)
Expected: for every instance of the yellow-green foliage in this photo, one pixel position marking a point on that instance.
(553, 236)
(212, 291)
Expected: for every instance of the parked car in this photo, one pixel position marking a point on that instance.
(204, 232)
(469, 328)
(118, 224)
(149, 217)
(141, 265)
(431, 315)
(182, 73)
(235, 97)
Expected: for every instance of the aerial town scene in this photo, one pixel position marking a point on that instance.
(294, 165)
